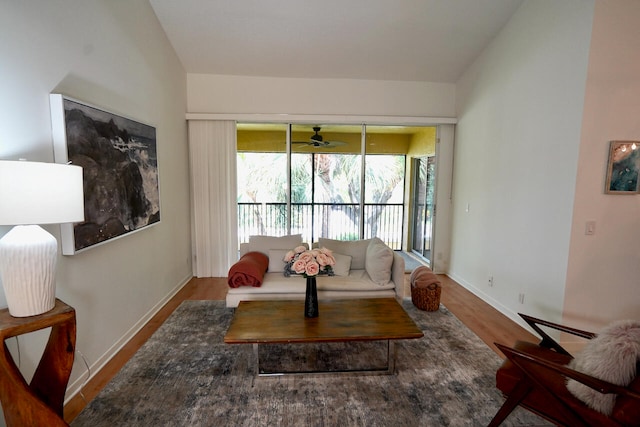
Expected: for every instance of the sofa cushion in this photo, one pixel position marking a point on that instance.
(276, 260)
(356, 249)
(264, 243)
(343, 264)
(378, 261)
(277, 284)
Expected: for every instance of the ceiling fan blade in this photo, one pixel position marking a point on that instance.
(334, 143)
(320, 143)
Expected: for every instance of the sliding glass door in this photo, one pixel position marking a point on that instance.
(342, 182)
(423, 205)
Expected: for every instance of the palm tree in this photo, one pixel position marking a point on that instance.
(383, 174)
(339, 176)
(262, 179)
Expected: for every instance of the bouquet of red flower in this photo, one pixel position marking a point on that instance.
(309, 263)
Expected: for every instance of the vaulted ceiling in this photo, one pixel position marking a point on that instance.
(404, 40)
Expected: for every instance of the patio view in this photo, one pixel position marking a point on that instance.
(331, 190)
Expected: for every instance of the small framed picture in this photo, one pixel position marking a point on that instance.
(623, 167)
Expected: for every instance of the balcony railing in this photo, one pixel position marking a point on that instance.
(329, 220)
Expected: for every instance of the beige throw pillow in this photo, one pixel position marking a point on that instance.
(343, 264)
(264, 243)
(356, 249)
(276, 260)
(379, 260)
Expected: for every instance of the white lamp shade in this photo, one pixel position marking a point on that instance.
(40, 193)
(34, 193)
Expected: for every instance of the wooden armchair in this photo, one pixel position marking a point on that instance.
(535, 376)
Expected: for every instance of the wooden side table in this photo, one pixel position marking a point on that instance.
(41, 402)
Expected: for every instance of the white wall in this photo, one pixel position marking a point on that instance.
(269, 95)
(603, 280)
(519, 120)
(112, 54)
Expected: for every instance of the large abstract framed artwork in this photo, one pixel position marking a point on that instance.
(623, 167)
(120, 171)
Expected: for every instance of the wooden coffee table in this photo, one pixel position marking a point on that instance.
(279, 322)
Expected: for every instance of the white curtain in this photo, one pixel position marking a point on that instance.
(212, 153)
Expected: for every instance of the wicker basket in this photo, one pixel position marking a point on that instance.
(426, 298)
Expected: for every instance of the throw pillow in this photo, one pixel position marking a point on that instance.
(379, 258)
(343, 264)
(611, 356)
(264, 243)
(356, 249)
(276, 260)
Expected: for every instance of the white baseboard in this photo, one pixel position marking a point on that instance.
(569, 342)
(512, 315)
(76, 386)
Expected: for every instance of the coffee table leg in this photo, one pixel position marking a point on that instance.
(256, 358)
(391, 357)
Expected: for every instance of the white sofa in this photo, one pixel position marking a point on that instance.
(364, 269)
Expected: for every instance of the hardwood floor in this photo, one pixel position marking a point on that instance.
(485, 321)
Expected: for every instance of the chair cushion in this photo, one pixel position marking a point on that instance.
(610, 356)
(627, 410)
(508, 375)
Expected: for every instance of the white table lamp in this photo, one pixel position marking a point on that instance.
(34, 193)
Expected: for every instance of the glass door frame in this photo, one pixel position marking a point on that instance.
(423, 209)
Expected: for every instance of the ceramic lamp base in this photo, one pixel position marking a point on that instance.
(28, 256)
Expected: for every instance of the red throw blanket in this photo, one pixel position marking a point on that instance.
(249, 270)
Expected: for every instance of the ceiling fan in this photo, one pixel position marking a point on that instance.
(317, 140)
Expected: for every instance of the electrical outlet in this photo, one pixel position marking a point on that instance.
(521, 298)
(490, 281)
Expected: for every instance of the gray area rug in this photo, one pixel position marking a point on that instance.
(185, 375)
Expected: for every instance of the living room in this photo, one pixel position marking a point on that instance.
(534, 116)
